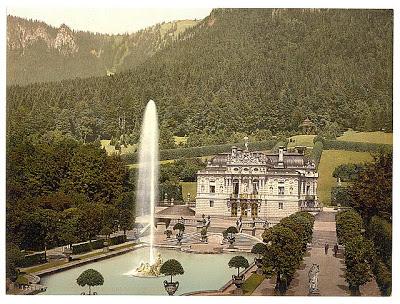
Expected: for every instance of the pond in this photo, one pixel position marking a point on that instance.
(202, 272)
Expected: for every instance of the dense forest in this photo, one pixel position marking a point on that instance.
(238, 70)
(60, 191)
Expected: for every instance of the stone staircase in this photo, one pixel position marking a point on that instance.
(324, 230)
(321, 237)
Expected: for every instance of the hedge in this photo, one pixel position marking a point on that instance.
(97, 244)
(81, 248)
(380, 232)
(317, 152)
(119, 239)
(33, 259)
(348, 226)
(382, 275)
(201, 151)
(355, 146)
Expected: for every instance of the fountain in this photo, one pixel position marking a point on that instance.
(147, 186)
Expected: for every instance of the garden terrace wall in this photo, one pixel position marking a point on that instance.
(202, 151)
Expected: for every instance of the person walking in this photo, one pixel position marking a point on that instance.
(335, 249)
(326, 248)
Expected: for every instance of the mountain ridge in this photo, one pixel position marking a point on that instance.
(34, 46)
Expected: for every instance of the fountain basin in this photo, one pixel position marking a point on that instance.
(117, 281)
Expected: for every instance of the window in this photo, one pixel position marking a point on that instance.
(235, 187)
(281, 190)
(212, 189)
(271, 190)
(280, 206)
(211, 203)
(255, 186)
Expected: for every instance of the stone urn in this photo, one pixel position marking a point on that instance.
(171, 287)
(238, 280)
(231, 240)
(179, 238)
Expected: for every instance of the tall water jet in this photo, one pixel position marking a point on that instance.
(147, 185)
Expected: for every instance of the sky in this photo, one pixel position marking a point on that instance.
(107, 20)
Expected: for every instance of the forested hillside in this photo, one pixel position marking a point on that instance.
(238, 70)
(38, 52)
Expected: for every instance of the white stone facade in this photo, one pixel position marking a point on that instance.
(256, 184)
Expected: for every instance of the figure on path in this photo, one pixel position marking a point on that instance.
(335, 249)
(326, 248)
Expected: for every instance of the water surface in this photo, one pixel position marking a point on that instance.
(202, 272)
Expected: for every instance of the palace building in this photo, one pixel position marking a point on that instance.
(257, 184)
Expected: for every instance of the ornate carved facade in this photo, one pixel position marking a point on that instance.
(256, 184)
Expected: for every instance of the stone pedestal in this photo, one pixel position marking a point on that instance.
(238, 292)
(106, 248)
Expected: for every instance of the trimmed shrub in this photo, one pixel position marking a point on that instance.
(307, 215)
(348, 226)
(119, 239)
(33, 259)
(358, 253)
(81, 248)
(97, 244)
(380, 232)
(382, 275)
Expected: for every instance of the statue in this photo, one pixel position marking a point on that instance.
(207, 223)
(147, 270)
(246, 143)
(313, 279)
(239, 224)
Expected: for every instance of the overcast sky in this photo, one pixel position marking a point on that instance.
(108, 20)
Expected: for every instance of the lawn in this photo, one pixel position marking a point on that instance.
(161, 162)
(252, 283)
(301, 140)
(45, 266)
(180, 140)
(330, 159)
(105, 143)
(368, 137)
(189, 187)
